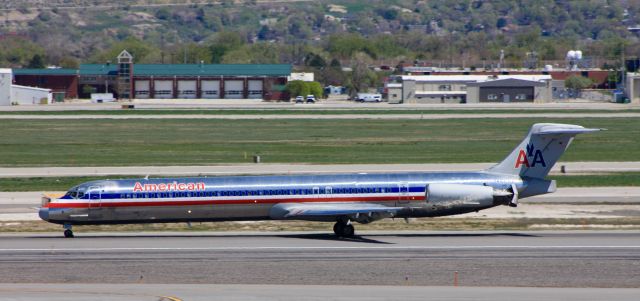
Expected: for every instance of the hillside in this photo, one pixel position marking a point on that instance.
(316, 34)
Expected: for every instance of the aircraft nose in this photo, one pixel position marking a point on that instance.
(44, 214)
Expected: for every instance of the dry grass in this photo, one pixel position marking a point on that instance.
(451, 224)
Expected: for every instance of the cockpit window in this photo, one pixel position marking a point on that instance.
(76, 193)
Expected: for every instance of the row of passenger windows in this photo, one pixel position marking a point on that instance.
(254, 192)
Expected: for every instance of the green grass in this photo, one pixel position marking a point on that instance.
(64, 183)
(103, 142)
(609, 179)
(310, 110)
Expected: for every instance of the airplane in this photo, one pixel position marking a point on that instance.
(339, 198)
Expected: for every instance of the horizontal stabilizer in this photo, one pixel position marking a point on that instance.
(562, 129)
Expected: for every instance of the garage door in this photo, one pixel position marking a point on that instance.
(210, 89)
(142, 89)
(186, 89)
(233, 89)
(163, 88)
(255, 89)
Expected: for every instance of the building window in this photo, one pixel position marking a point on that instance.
(492, 97)
(188, 92)
(209, 92)
(255, 92)
(142, 92)
(163, 92)
(444, 88)
(233, 92)
(521, 97)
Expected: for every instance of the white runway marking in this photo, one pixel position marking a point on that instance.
(318, 248)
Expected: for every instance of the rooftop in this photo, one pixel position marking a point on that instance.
(170, 70)
(48, 71)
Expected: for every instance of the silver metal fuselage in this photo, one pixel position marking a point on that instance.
(252, 197)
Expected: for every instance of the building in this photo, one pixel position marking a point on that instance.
(127, 80)
(469, 88)
(632, 88)
(62, 82)
(11, 94)
(303, 76)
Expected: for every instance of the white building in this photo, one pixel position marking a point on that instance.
(11, 94)
(632, 87)
(469, 88)
(303, 76)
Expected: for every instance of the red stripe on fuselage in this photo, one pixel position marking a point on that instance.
(232, 202)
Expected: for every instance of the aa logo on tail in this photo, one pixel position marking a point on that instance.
(530, 158)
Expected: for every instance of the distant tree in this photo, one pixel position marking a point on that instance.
(315, 88)
(163, 14)
(36, 62)
(297, 88)
(576, 82)
(315, 60)
(502, 22)
(361, 77)
(69, 62)
(222, 43)
(139, 49)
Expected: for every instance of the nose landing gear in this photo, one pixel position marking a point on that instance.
(344, 229)
(68, 232)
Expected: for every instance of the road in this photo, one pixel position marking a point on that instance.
(607, 259)
(257, 169)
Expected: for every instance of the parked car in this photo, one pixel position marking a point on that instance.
(369, 97)
(311, 99)
(299, 99)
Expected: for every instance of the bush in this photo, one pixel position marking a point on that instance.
(301, 88)
(577, 82)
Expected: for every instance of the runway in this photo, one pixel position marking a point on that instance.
(282, 168)
(326, 116)
(498, 258)
(208, 292)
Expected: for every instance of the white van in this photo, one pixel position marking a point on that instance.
(369, 97)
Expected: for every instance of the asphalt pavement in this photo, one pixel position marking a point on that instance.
(607, 259)
(208, 292)
(282, 168)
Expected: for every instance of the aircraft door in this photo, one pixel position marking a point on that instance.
(403, 193)
(94, 194)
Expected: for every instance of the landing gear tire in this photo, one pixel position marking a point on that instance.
(68, 233)
(342, 230)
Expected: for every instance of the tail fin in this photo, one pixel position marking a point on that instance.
(541, 148)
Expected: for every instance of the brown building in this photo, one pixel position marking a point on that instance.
(127, 80)
(62, 82)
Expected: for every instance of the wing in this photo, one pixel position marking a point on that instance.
(328, 211)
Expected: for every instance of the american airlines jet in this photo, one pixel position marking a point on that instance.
(339, 198)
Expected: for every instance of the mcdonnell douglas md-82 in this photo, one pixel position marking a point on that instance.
(339, 198)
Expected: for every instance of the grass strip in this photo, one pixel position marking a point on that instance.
(104, 142)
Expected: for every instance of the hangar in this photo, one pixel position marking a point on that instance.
(11, 94)
(127, 80)
(469, 88)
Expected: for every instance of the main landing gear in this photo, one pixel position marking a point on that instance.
(343, 229)
(68, 233)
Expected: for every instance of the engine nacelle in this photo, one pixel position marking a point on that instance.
(467, 195)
